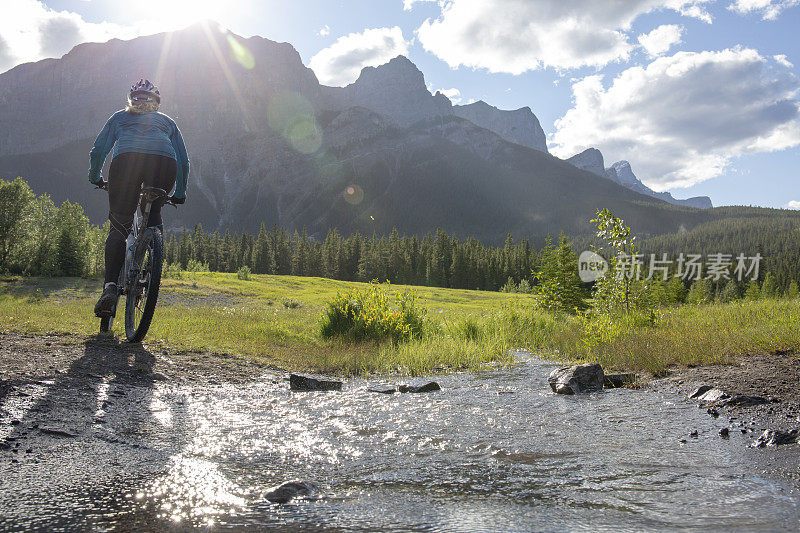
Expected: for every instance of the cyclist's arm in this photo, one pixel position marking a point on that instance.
(183, 163)
(102, 145)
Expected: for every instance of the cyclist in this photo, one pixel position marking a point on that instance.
(149, 151)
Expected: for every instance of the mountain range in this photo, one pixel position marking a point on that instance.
(620, 172)
(268, 143)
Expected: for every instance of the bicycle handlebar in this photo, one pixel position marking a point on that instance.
(103, 186)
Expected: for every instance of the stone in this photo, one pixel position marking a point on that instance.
(773, 437)
(306, 382)
(615, 381)
(577, 379)
(57, 431)
(724, 433)
(713, 396)
(694, 434)
(290, 490)
(382, 389)
(713, 412)
(419, 385)
(702, 389)
(742, 400)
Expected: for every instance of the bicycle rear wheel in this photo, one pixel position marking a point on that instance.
(142, 291)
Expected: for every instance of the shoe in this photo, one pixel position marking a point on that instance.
(107, 304)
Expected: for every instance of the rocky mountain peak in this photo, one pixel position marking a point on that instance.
(624, 173)
(395, 89)
(519, 126)
(398, 71)
(591, 160)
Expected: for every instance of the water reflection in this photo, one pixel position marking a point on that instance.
(463, 459)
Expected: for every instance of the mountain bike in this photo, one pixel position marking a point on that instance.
(140, 278)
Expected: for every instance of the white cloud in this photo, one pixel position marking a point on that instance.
(515, 36)
(324, 31)
(661, 39)
(682, 118)
(781, 59)
(453, 94)
(30, 31)
(341, 62)
(768, 9)
(794, 204)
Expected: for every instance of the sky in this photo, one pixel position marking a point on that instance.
(701, 96)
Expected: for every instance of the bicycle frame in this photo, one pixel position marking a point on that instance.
(133, 248)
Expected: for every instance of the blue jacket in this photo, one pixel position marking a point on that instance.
(148, 133)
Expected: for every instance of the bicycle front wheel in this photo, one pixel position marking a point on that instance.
(142, 293)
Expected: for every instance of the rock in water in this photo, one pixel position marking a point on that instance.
(741, 399)
(615, 381)
(702, 389)
(713, 396)
(292, 489)
(382, 389)
(304, 382)
(419, 385)
(772, 437)
(576, 379)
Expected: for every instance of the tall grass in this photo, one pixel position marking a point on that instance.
(464, 329)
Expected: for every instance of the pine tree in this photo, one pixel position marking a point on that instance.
(769, 289)
(753, 292)
(793, 291)
(559, 287)
(701, 292)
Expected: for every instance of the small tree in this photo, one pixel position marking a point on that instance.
(769, 289)
(701, 292)
(559, 286)
(729, 292)
(793, 291)
(752, 292)
(621, 290)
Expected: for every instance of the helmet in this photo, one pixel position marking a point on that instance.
(144, 91)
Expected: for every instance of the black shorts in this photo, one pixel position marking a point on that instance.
(128, 173)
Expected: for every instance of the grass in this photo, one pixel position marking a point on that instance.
(467, 330)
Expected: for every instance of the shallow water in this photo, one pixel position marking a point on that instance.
(490, 452)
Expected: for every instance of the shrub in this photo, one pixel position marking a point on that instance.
(369, 314)
(244, 273)
(289, 303)
(173, 271)
(196, 266)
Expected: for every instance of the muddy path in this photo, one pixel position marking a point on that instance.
(107, 436)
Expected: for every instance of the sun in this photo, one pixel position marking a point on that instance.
(181, 13)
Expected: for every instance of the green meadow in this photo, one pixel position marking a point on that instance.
(277, 320)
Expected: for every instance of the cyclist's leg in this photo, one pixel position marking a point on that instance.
(161, 174)
(124, 183)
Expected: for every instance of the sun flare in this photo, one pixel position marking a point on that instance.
(186, 12)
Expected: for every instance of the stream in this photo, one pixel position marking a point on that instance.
(495, 451)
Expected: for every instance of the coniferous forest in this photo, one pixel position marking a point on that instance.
(38, 238)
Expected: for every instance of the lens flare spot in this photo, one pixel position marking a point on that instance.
(304, 136)
(241, 54)
(293, 116)
(353, 194)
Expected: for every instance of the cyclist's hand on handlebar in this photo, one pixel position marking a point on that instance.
(176, 201)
